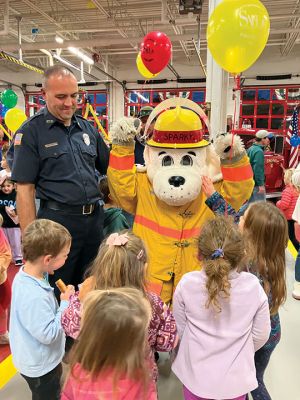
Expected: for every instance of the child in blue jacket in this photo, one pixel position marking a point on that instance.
(37, 339)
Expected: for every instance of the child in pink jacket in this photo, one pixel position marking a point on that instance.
(287, 204)
(109, 360)
(5, 289)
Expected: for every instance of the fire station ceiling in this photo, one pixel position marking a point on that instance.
(111, 30)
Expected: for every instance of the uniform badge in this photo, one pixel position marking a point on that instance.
(86, 139)
(18, 139)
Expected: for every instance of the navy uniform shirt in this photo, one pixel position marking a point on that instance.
(59, 160)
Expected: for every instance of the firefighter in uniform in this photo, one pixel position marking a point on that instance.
(55, 155)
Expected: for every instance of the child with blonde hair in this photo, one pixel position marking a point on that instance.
(265, 230)
(122, 261)
(37, 339)
(222, 317)
(109, 359)
(287, 204)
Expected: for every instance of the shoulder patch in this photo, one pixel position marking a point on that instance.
(18, 139)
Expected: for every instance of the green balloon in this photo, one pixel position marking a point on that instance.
(9, 98)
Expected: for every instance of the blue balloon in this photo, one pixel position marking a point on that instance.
(3, 111)
(294, 141)
(298, 140)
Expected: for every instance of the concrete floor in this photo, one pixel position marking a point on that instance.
(282, 375)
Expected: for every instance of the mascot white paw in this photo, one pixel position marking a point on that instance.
(124, 130)
(229, 146)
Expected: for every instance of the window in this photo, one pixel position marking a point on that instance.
(263, 109)
(97, 98)
(248, 95)
(136, 99)
(268, 107)
(198, 96)
(248, 109)
(263, 94)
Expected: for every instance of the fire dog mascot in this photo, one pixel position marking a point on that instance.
(166, 196)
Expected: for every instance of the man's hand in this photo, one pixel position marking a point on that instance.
(261, 189)
(207, 186)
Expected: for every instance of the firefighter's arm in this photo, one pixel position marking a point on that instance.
(121, 173)
(237, 184)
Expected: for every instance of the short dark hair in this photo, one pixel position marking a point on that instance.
(57, 69)
(104, 189)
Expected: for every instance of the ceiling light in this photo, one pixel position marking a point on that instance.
(81, 55)
(59, 39)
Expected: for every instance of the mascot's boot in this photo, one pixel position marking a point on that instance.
(296, 291)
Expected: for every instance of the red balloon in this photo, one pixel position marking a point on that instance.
(156, 50)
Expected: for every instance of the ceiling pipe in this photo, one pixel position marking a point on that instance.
(95, 42)
(49, 54)
(164, 12)
(19, 19)
(5, 30)
(109, 76)
(173, 70)
(197, 49)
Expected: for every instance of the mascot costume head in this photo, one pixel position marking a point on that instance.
(165, 196)
(177, 155)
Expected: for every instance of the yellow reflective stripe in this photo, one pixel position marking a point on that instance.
(7, 371)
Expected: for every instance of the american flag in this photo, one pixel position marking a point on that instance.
(293, 130)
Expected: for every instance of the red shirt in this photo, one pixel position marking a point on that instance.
(288, 201)
(82, 387)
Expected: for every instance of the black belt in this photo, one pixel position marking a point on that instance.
(85, 209)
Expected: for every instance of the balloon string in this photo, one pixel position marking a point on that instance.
(237, 87)
(5, 131)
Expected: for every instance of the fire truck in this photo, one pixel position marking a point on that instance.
(276, 159)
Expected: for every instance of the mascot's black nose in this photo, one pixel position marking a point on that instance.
(176, 181)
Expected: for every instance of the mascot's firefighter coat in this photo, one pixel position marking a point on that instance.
(166, 197)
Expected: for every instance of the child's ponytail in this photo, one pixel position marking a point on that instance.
(217, 283)
(221, 249)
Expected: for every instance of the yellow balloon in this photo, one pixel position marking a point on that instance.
(142, 69)
(14, 118)
(237, 33)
